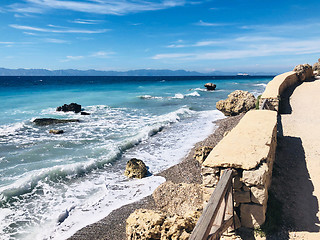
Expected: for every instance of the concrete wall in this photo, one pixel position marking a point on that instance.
(249, 149)
(276, 88)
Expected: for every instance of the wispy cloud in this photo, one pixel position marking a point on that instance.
(102, 54)
(54, 40)
(6, 43)
(257, 49)
(114, 7)
(86, 21)
(54, 29)
(209, 24)
(197, 44)
(72, 58)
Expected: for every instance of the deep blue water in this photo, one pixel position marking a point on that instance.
(156, 119)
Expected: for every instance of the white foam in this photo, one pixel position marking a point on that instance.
(194, 94)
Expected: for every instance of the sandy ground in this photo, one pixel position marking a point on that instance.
(296, 176)
(112, 227)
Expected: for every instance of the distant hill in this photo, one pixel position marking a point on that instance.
(139, 72)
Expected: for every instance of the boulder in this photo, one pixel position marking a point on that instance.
(49, 121)
(304, 72)
(201, 153)
(56, 131)
(85, 113)
(72, 107)
(316, 68)
(236, 103)
(135, 168)
(145, 224)
(210, 86)
(178, 198)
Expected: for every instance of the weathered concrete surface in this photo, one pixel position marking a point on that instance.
(302, 127)
(256, 131)
(279, 84)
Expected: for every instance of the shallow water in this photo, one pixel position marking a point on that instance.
(156, 119)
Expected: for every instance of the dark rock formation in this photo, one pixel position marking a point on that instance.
(85, 113)
(135, 168)
(236, 103)
(56, 131)
(49, 121)
(72, 107)
(304, 72)
(210, 86)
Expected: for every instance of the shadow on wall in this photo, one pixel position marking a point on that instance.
(284, 106)
(291, 189)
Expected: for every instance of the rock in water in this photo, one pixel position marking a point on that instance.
(135, 168)
(56, 131)
(72, 107)
(304, 72)
(49, 121)
(237, 102)
(210, 86)
(201, 153)
(85, 113)
(63, 216)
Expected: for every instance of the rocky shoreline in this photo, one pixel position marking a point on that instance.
(187, 171)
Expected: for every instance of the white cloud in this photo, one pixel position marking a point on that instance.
(72, 58)
(113, 7)
(258, 49)
(208, 24)
(54, 40)
(55, 30)
(6, 43)
(102, 54)
(86, 21)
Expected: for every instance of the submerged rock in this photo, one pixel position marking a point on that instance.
(210, 86)
(135, 168)
(237, 102)
(56, 131)
(304, 72)
(72, 107)
(85, 113)
(49, 121)
(63, 216)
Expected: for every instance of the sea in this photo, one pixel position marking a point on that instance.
(78, 175)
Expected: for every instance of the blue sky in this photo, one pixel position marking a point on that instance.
(200, 35)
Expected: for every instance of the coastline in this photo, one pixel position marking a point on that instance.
(187, 171)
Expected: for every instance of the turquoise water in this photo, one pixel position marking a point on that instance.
(156, 119)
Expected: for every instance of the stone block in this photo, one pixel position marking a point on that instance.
(210, 170)
(252, 215)
(256, 177)
(241, 196)
(259, 195)
(210, 180)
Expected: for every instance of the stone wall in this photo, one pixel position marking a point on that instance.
(276, 88)
(249, 149)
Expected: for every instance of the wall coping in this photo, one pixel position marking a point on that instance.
(247, 144)
(274, 88)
